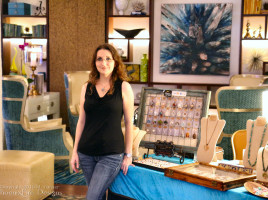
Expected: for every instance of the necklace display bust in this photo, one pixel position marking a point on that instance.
(211, 129)
(262, 164)
(256, 137)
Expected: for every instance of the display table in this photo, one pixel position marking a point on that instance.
(145, 184)
(45, 104)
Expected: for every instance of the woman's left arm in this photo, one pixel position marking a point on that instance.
(128, 108)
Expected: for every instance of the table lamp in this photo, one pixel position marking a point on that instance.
(32, 58)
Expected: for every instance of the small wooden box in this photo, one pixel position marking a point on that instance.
(209, 176)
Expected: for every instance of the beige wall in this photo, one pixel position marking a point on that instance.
(76, 28)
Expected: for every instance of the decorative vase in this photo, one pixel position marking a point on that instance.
(121, 6)
(13, 67)
(143, 68)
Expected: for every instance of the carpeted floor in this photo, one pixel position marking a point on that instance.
(63, 175)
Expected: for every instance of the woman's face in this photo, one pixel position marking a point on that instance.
(105, 62)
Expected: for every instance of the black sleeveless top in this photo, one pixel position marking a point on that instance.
(102, 134)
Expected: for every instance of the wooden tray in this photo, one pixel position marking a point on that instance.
(209, 176)
(154, 164)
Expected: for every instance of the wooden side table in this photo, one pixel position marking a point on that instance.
(46, 104)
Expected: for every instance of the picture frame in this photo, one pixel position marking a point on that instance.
(133, 72)
(188, 78)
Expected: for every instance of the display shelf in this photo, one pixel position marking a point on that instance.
(26, 16)
(130, 16)
(255, 15)
(132, 49)
(250, 47)
(30, 28)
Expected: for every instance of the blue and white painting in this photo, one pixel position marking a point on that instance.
(195, 39)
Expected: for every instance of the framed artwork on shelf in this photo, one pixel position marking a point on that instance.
(133, 72)
(203, 50)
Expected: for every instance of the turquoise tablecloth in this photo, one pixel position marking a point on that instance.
(145, 184)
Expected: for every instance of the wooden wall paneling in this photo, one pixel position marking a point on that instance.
(76, 28)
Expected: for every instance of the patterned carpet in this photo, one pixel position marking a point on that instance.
(63, 176)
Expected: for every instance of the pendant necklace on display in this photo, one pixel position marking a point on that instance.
(249, 146)
(206, 147)
(264, 174)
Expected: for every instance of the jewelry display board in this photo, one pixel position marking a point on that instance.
(172, 115)
(209, 176)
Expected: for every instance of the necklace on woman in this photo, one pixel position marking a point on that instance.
(103, 89)
(264, 174)
(206, 147)
(249, 145)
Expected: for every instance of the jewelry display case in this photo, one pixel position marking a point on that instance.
(209, 176)
(172, 116)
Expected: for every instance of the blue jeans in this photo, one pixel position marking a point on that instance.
(100, 172)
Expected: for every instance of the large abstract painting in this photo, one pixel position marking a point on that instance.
(196, 38)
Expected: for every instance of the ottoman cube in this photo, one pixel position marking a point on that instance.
(26, 175)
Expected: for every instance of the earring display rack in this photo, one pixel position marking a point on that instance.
(172, 115)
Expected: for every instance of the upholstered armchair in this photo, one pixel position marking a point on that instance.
(236, 105)
(46, 136)
(246, 80)
(74, 81)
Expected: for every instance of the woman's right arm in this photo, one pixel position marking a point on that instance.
(79, 129)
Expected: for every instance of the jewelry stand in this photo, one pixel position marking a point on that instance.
(166, 149)
(262, 165)
(211, 129)
(256, 137)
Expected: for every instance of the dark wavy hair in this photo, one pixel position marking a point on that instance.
(119, 71)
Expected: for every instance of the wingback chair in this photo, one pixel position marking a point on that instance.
(46, 136)
(74, 81)
(246, 80)
(236, 105)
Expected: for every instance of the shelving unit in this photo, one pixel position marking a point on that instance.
(133, 48)
(38, 37)
(134, 52)
(253, 47)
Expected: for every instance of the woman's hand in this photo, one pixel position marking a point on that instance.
(75, 162)
(127, 161)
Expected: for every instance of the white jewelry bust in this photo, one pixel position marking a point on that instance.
(262, 164)
(211, 129)
(256, 137)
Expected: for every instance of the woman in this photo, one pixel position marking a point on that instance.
(99, 142)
